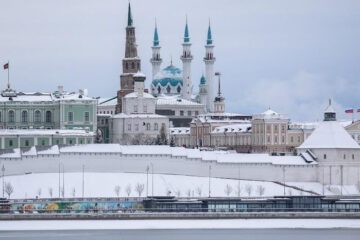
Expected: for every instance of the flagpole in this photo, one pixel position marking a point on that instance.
(8, 74)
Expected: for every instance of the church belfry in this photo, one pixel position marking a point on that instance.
(131, 64)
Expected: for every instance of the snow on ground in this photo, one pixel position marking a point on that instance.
(103, 185)
(179, 224)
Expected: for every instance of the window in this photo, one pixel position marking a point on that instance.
(168, 89)
(70, 141)
(87, 116)
(268, 128)
(275, 127)
(148, 127)
(159, 89)
(283, 127)
(292, 139)
(11, 143)
(283, 139)
(129, 127)
(24, 117)
(156, 126)
(102, 121)
(27, 143)
(132, 65)
(299, 139)
(189, 113)
(11, 116)
(48, 116)
(136, 127)
(81, 141)
(37, 116)
(0, 116)
(178, 89)
(268, 139)
(353, 156)
(42, 142)
(196, 113)
(275, 139)
(57, 142)
(70, 116)
(344, 156)
(135, 108)
(324, 156)
(126, 65)
(181, 113)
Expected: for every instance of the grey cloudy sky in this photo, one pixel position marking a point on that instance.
(290, 55)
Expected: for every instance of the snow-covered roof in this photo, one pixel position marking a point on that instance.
(139, 74)
(29, 97)
(270, 114)
(136, 94)
(140, 115)
(45, 132)
(223, 118)
(233, 128)
(329, 134)
(174, 100)
(179, 130)
(107, 101)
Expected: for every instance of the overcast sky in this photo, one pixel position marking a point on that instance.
(289, 55)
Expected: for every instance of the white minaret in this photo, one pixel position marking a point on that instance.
(202, 91)
(219, 101)
(209, 71)
(156, 59)
(186, 59)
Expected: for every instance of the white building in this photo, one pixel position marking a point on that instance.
(138, 121)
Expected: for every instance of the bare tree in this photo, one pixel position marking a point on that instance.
(238, 190)
(117, 190)
(139, 188)
(73, 192)
(9, 189)
(50, 192)
(128, 190)
(260, 190)
(228, 189)
(198, 191)
(168, 192)
(188, 193)
(248, 189)
(177, 193)
(39, 192)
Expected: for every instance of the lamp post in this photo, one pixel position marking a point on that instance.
(3, 180)
(147, 180)
(209, 180)
(284, 179)
(83, 179)
(152, 179)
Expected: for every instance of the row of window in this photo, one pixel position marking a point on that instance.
(106, 112)
(147, 126)
(132, 65)
(189, 113)
(292, 139)
(43, 142)
(71, 116)
(11, 118)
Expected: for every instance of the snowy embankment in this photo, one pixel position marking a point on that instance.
(179, 224)
(104, 185)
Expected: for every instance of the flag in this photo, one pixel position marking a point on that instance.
(349, 110)
(358, 110)
(6, 66)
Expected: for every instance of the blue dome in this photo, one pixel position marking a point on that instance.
(169, 75)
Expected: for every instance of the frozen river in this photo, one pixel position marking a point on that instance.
(186, 234)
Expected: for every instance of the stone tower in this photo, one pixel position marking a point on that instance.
(186, 59)
(155, 59)
(209, 71)
(130, 64)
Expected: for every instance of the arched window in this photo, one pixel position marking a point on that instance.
(168, 89)
(156, 126)
(48, 116)
(11, 116)
(159, 89)
(178, 89)
(11, 143)
(132, 65)
(126, 65)
(37, 116)
(148, 127)
(24, 117)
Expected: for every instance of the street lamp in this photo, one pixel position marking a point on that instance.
(3, 181)
(152, 179)
(147, 180)
(209, 180)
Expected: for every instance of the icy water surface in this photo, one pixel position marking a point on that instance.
(219, 234)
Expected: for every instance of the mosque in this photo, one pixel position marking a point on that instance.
(172, 81)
